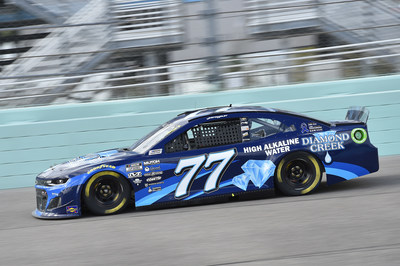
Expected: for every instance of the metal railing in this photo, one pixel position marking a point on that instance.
(90, 33)
(266, 16)
(145, 19)
(364, 20)
(64, 39)
(257, 70)
(52, 71)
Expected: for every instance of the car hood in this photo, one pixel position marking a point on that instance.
(81, 164)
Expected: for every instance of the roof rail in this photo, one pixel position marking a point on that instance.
(204, 109)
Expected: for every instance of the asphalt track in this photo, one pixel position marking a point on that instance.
(352, 223)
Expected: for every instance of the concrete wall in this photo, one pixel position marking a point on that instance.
(32, 139)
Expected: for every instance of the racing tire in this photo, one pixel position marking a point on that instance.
(298, 174)
(106, 193)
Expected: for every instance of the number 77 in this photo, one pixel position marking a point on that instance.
(193, 165)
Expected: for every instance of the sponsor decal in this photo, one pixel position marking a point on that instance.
(280, 146)
(153, 173)
(152, 162)
(155, 152)
(314, 127)
(216, 117)
(310, 128)
(153, 179)
(154, 189)
(102, 166)
(244, 127)
(252, 149)
(137, 181)
(135, 174)
(153, 184)
(326, 141)
(304, 128)
(134, 167)
(273, 148)
(72, 209)
(152, 168)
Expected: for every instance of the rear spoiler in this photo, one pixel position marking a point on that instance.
(358, 113)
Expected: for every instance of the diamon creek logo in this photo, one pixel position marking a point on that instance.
(326, 141)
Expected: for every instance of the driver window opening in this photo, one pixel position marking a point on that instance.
(210, 134)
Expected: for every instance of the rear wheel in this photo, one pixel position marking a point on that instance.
(298, 174)
(106, 193)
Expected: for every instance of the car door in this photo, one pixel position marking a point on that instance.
(206, 157)
(192, 163)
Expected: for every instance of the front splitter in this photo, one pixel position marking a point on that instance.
(48, 216)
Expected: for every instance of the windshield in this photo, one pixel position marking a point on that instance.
(154, 137)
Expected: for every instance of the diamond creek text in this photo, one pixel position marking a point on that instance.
(328, 142)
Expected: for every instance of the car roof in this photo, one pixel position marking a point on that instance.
(194, 114)
(220, 110)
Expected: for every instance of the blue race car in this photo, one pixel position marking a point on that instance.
(207, 153)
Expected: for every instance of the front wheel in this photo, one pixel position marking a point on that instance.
(106, 193)
(298, 174)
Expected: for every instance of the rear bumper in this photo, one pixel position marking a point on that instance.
(358, 164)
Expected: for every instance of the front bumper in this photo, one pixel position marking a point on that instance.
(57, 202)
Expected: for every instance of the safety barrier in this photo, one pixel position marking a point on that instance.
(32, 139)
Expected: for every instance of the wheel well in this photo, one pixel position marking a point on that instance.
(305, 151)
(318, 160)
(293, 176)
(81, 189)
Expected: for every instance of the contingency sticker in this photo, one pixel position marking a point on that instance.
(134, 167)
(72, 209)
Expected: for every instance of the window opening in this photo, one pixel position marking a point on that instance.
(210, 134)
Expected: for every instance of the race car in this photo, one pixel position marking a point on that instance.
(210, 153)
